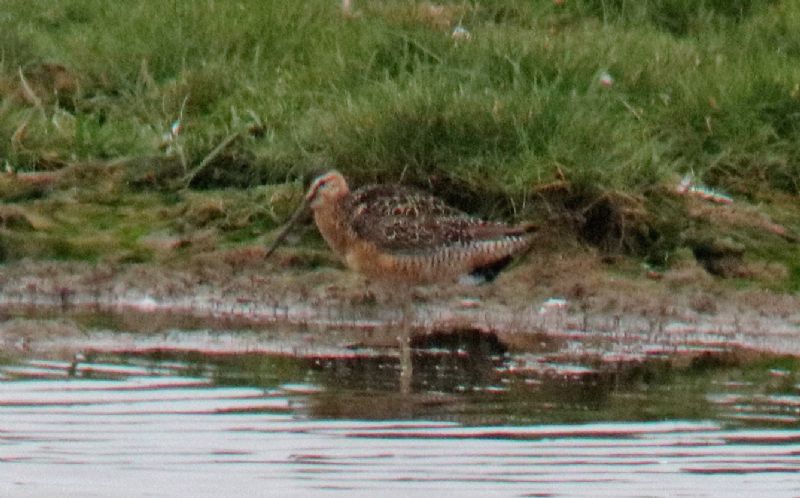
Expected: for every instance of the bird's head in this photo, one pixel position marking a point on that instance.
(326, 188)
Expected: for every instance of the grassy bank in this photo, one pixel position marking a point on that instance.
(582, 113)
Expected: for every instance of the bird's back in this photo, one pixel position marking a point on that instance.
(411, 234)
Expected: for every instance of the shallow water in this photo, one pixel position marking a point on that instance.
(246, 412)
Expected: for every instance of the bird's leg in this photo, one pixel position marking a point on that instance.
(394, 298)
(406, 328)
(406, 365)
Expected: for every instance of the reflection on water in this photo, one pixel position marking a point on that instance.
(477, 420)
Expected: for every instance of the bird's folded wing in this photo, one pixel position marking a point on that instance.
(424, 234)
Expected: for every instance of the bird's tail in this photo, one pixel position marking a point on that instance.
(523, 229)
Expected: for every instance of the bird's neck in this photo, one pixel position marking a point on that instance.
(332, 221)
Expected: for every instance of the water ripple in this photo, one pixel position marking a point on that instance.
(155, 432)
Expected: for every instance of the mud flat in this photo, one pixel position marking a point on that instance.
(336, 309)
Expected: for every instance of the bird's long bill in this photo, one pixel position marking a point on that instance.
(288, 226)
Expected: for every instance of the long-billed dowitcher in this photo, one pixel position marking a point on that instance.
(391, 232)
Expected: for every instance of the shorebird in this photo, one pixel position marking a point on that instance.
(395, 233)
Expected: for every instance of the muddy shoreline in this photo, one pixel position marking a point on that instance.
(613, 317)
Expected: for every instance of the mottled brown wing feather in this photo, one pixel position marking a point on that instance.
(399, 219)
(395, 200)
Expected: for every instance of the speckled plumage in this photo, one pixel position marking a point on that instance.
(390, 232)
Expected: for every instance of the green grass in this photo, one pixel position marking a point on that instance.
(710, 87)
(387, 92)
